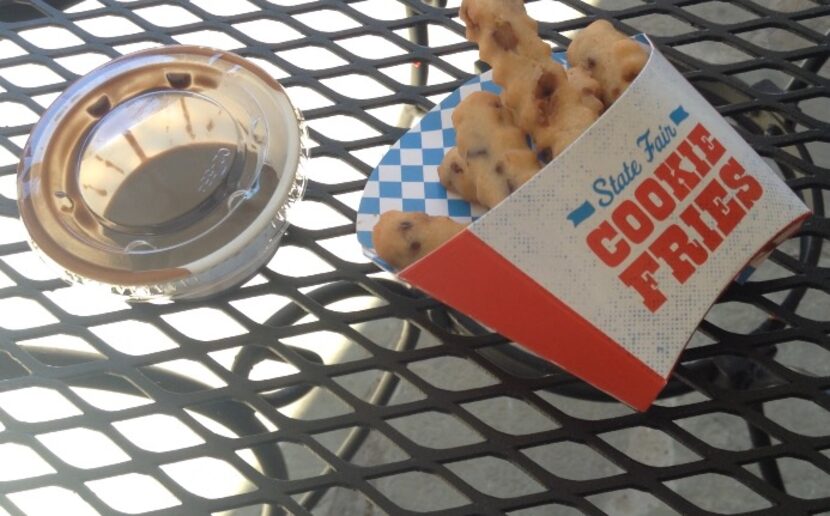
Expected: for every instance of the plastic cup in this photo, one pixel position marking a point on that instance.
(165, 173)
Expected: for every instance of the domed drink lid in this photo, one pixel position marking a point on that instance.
(163, 173)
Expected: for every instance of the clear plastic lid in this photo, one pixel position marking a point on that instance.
(164, 173)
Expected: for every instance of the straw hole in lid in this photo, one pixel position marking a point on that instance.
(179, 80)
(100, 107)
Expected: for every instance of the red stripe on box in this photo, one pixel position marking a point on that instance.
(470, 276)
(775, 241)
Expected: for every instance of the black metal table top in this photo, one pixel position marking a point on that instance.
(322, 386)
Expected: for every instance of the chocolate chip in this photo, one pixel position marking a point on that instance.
(100, 107)
(505, 37)
(207, 82)
(546, 85)
(478, 153)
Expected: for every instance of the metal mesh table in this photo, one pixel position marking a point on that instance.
(320, 386)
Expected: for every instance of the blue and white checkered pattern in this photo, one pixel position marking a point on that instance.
(407, 177)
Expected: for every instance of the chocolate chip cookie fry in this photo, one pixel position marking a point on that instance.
(581, 79)
(527, 86)
(494, 150)
(455, 176)
(502, 28)
(548, 105)
(400, 238)
(567, 116)
(515, 168)
(610, 57)
(551, 105)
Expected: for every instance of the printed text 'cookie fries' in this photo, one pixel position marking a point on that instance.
(712, 192)
(608, 187)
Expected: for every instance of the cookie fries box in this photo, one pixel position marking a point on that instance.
(606, 261)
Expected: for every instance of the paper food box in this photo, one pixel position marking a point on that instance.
(607, 260)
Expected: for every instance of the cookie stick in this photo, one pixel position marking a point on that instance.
(456, 177)
(503, 27)
(401, 239)
(496, 158)
(581, 79)
(551, 109)
(610, 57)
(500, 26)
(477, 184)
(535, 87)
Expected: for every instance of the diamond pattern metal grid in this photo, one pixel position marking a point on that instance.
(322, 387)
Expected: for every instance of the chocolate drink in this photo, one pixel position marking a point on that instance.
(166, 170)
